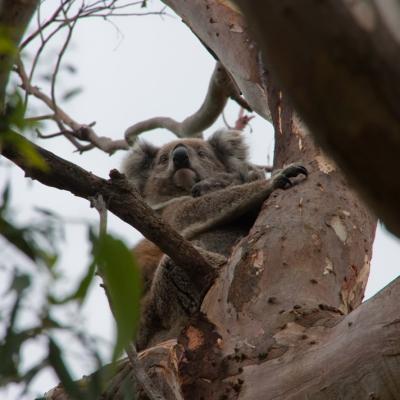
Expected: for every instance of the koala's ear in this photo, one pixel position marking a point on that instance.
(229, 147)
(139, 162)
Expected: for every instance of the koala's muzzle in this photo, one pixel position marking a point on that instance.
(180, 157)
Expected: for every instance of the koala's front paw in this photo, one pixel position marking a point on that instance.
(206, 186)
(281, 178)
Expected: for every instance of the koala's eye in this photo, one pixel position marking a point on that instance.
(163, 159)
(202, 154)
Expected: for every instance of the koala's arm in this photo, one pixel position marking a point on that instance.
(192, 216)
(217, 182)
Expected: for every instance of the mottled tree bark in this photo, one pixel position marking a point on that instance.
(14, 18)
(338, 61)
(283, 319)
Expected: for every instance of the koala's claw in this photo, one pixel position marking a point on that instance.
(196, 191)
(293, 170)
(282, 182)
(281, 178)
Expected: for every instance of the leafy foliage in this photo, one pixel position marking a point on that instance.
(37, 241)
(13, 119)
(122, 279)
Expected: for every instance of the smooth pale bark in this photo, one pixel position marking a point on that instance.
(222, 29)
(276, 316)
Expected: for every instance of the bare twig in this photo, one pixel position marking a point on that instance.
(60, 56)
(50, 136)
(42, 27)
(78, 131)
(143, 379)
(221, 87)
(243, 120)
(66, 15)
(40, 118)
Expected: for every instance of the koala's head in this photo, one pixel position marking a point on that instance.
(162, 173)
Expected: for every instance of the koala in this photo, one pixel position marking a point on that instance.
(211, 194)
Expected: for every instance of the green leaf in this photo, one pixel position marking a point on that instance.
(82, 289)
(123, 284)
(68, 95)
(14, 120)
(56, 361)
(17, 237)
(26, 150)
(19, 283)
(7, 46)
(5, 198)
(22, 239)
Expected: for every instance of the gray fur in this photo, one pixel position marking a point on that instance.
(137, 165)
(230, 149)
(215, 210)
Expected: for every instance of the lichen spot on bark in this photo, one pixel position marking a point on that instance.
(328, 267)
(324, 164)
(339, 228)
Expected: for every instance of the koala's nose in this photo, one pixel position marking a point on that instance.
(180, 157)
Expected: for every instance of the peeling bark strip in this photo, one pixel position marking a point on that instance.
(121, 199)
(338, 60)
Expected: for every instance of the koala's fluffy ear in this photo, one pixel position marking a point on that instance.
(229, 147)
(139, 162)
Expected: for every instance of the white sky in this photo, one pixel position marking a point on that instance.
(157, 67)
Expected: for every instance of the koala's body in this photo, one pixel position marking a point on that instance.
(209, 192)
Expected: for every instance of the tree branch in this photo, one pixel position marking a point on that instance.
(340, 68)
(121, 199)
(79, 131)
(219, 25)
(220, 88)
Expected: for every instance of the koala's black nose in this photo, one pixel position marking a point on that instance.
(180, 157)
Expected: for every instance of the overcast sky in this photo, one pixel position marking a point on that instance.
(147, 67)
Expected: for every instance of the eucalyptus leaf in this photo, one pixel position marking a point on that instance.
(81, 290)
(56, 361)
(120, 272)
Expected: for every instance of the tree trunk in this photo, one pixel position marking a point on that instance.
(275, 323)
(283, 319)
(338, 60)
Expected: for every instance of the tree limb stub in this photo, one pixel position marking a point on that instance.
(340, 69)
(121, 199)
(220, 88)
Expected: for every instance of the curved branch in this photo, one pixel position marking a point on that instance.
(79, 131)
(220, 88)
(121, 199)
(219, 26)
